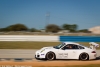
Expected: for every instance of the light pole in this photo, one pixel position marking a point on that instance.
(47, 18)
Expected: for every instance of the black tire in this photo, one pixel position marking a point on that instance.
(50, 56)
(84, 56)
(36, 58)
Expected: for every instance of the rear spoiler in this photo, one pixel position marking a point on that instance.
(93, 45)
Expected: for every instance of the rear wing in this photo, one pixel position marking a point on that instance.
(93, 45)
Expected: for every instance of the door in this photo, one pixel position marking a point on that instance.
(71, 53)
(63, 54)
(68, 52)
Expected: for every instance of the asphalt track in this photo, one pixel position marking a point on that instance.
(22, 54)
(26, 58)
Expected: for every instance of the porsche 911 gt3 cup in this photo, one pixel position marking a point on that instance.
(68, 50)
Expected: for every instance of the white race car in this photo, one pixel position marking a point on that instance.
(68, 50)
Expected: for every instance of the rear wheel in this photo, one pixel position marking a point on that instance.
(84, 56)
(50, 56)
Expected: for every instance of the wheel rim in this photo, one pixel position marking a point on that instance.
(50, 56)
(84, 56)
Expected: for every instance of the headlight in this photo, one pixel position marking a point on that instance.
(42, 50)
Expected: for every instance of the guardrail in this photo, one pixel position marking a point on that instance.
(80, 38)
(29, 38)
(47, 38)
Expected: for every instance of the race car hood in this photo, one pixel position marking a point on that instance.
(47, 48)
(44, 48)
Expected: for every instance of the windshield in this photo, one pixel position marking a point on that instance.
(59, 46)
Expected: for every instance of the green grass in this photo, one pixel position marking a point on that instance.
(30, 44)
(25, 45)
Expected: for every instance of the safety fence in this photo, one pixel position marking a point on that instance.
(80, 38)
(29, 38)
(46, 38)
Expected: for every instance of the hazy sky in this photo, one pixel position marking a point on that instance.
(32, 13)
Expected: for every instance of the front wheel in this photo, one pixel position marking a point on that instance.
(84, 56)
(50, 56)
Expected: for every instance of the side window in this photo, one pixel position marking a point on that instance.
(80, 47)
(75, 47)
(70, 46)
(65, 47)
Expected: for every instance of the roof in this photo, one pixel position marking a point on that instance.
(71, 43)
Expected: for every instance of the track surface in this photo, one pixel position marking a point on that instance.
(22, 53)
(34, 62)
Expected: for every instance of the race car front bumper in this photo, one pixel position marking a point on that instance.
(39, 55)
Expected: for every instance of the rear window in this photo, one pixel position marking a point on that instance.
(84, 46)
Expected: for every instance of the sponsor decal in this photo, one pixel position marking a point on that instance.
(60, 53)
(42, 54)
(63, 54)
